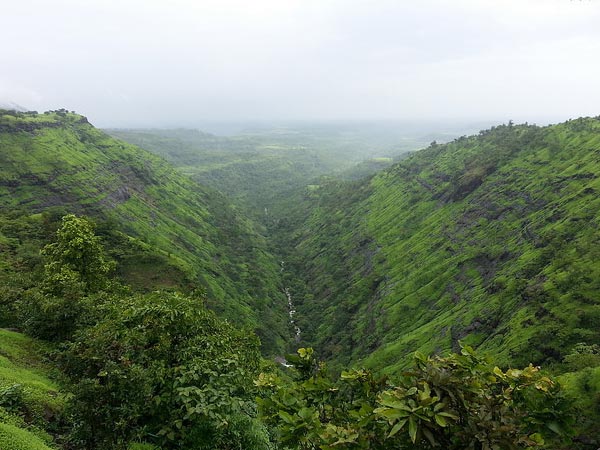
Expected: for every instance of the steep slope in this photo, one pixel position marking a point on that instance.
(493, 240)
(170, 230)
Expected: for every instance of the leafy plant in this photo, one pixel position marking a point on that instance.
(75, 276)
(76, 259)
(11, 397)
(454, 402)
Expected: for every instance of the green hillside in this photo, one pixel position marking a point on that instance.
(491, 240)
(164, 230)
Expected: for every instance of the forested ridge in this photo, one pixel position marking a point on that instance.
(145, 309)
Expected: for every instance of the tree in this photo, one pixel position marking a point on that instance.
(75, 273)
(77, 256)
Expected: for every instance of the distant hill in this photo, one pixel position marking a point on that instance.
(167, 230)
(262, 168)
(492, 240)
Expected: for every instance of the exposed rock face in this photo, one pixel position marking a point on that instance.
(118, 196)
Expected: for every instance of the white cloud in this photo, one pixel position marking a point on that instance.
(220, 59)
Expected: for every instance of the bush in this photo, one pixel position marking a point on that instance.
(157, 368)
(50, 317)
(11, 397)
(456, 402)
(582, 356)
(75, 271)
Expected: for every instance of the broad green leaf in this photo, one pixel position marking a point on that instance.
(390, 413)
(397, 427)
(286, 417)
(555, 427)
(537, 438)
(441, 421)
(412, 429)
(305, 413)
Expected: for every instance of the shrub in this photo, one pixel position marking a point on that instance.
(157, 368)
(11, 397)
(456, 402)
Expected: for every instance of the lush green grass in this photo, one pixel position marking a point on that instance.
(30, 399)
(15, 438)
(20, 365)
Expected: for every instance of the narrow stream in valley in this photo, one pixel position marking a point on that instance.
(291, 310)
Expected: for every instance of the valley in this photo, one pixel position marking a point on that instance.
(220, 254)
(424, 254)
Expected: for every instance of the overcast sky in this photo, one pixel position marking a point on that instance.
(182, 62)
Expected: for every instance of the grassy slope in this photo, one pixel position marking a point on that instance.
(491, 239)
(39, 401)
(169, 226)
(16, 438)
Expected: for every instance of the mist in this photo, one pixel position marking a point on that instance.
(186, 63)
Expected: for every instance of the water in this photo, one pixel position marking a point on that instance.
(291, 310)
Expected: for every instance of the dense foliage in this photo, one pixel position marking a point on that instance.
(77, 257)
(154, 367)
(160, 367)
(456, 402)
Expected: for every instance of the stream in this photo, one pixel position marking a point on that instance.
(291, 311)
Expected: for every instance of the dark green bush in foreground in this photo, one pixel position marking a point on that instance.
(456, 402)
(163, 369)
